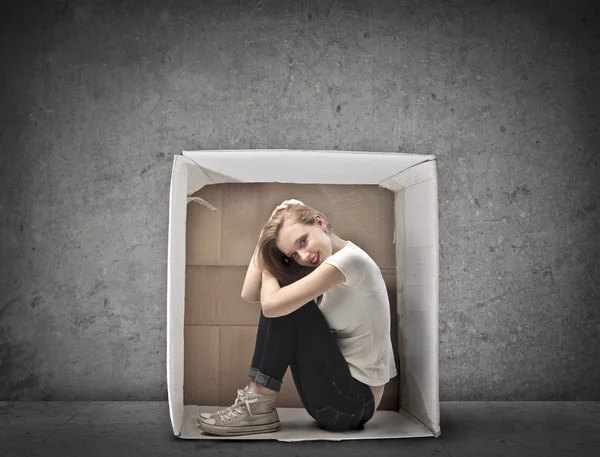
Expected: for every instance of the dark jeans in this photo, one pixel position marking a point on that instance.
(303, 341)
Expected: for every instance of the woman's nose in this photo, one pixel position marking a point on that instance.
(305, 256)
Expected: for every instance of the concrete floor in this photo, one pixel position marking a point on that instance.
(522, 429)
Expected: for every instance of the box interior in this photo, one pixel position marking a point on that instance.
(220, 328)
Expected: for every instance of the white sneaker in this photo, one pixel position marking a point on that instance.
(238, 401)
(251, 414)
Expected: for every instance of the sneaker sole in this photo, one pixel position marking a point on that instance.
(237, 431)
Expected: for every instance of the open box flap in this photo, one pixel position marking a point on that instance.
(175, 290)
(299, 426)
(302, 167)
(186, 176)
(418, 299)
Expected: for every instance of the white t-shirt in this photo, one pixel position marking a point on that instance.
(358, 313)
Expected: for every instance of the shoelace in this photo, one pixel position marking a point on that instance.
(239, 400)
(238, 407)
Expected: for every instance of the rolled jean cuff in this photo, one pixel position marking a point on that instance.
(267, 381)
(252, 372)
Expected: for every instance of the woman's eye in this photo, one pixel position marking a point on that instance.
(302, 243)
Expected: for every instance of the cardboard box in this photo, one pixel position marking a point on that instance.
(386, 203)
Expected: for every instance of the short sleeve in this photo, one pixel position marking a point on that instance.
(351, 264)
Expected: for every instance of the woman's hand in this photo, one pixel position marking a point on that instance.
(285, 205)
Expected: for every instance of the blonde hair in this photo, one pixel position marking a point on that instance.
(271, 259)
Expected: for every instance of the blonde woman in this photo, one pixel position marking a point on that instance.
(325, 314)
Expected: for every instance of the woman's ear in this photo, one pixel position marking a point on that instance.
(320, 222)
(326, 228)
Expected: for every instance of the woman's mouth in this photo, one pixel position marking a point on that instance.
(316, 261)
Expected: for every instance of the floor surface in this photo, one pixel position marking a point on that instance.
(143, 428)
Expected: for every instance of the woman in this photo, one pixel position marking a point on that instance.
(325, 314)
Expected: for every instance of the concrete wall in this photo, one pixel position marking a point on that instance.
(97, 96)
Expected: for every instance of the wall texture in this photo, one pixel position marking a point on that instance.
(97, 96)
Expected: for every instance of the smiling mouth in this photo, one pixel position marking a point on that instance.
(316, 260)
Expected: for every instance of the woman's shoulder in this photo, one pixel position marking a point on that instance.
(353, 251)
(360, 255)
(350, 250)
(354, 248)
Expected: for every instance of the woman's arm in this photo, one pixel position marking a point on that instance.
(279, 301)
(253, 281)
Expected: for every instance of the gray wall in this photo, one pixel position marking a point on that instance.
(97, 97)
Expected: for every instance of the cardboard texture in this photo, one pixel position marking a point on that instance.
(386, 203)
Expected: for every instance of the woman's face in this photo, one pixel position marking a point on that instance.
(308, 245)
